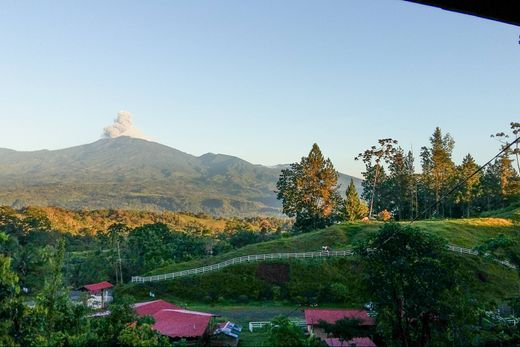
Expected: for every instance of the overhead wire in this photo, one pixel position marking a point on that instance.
(458, 185)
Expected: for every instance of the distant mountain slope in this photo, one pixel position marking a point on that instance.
(131, 173)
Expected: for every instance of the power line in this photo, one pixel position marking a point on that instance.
(465, 180)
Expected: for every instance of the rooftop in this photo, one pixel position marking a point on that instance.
(149, 308)
(181, 323)
(96, 287)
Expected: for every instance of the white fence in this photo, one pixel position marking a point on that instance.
(473, 252)
(243, 259)
(274, 256)
(259, 325)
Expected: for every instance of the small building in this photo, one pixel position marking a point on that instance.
(176, 322)
(100, 294)
(314, 316)
(226, 335)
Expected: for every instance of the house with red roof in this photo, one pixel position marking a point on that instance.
(150, 308)
(176, 322)
(313, 317)
(100, 294)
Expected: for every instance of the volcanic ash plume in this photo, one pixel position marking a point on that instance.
(123, 127)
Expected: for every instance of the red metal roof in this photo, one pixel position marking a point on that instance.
(356, 341)
(181, 323)
(174, 321)
(96, 287)
(313, 316)
(150, 308)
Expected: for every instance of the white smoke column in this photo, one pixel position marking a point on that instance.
(123, 126)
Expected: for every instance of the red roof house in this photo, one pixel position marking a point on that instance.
(150, 308)
(97, 287)
(313, 316)
(173, 321)
(100, 294)
(182, 323)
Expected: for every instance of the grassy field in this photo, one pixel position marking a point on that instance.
(489, 279)
(462, 232)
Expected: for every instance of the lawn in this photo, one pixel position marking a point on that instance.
(461, 232)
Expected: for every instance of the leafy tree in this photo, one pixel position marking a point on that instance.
(438, 167)
(491, 196)
(509, 180)
(148, 246)
(308, 191)
(503, 138)
(373, 159)
(9, 291)
(141, 335)
(355, 208)
(345, 329)
(411, 277)
(109, 328)
(401, 185)
(53, 291)
(470, 189)
(283, 333)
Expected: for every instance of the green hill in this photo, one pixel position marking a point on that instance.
(486, 278)
(133, 174)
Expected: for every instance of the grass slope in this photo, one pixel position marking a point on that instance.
(461, 232)
(486, 279)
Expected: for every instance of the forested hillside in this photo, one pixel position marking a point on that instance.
(134, 174)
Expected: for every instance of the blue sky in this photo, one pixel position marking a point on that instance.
(261, 80)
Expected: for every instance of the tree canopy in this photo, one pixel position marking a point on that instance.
(308, 191)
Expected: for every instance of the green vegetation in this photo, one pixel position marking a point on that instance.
(283, 333)
(308, 191)
(90, 222)
(392, 183)
(416, 287)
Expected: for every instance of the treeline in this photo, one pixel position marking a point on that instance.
(120, 251)
(392, 183)
(88, 222)
(394, 188)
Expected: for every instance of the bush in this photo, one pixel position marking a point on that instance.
(384, 215)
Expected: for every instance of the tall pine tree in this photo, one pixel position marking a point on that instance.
(440, 168)
(355, 208)
(308, 191)
(471, 187)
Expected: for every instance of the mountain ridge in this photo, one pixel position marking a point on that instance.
(129, 173)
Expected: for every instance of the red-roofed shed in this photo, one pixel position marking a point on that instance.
(100, 294)
(174, 321)
(182, 323)
(150, 308)
(97, 287)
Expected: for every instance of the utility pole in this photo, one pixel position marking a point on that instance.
(119, 261)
